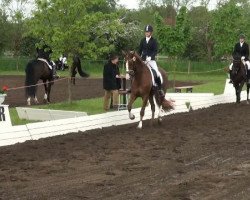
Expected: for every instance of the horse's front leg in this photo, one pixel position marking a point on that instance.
(142, 113)
(45, 98)
(131, 101)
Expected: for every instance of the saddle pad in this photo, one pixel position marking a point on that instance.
(153, 74)
(45, 61)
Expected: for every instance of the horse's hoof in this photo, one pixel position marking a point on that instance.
(247, 102)
(140, 125)
(160, 121)
(132, 117)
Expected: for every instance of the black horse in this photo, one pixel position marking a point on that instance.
(239, 78)
(77, 67)
(38, 70)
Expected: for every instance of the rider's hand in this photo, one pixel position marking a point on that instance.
(243, 58)
(148, 59)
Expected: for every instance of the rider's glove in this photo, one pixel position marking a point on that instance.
(243, 58)
(148, 59)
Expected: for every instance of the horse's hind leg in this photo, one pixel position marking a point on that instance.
(49, 90)
(248, 88)
(36, 100)
(159, 115)
(45, 99)
(29, 101)
(152, 103)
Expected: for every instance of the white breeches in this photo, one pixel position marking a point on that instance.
(245, 62)
(154, 66)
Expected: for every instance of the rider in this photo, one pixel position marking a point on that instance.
(242, 49)
(148, 50)
(44, 53)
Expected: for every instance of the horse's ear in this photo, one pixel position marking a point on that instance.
(124, 53)
(132, 52)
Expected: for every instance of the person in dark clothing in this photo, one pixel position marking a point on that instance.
(148, 51)
(44, 54)
(110, 76)
(241, 49)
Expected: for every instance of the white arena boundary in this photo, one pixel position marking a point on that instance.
(35, 131)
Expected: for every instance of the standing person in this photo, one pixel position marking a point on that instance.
(44, 54)
(148, 51)
(241, 49)
(110, 75)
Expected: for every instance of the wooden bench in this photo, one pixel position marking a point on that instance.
(189, 89)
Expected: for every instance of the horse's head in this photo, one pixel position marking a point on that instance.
(237, 64)
(133, 61)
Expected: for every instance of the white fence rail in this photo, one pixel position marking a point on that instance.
(35, 131)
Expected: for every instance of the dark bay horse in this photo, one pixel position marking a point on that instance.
(77, 67)
(239, 78)
(142, 86)
(38, 70)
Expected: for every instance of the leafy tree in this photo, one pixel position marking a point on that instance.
(174, 39)
(228, 23)
(201, 45)
(78, 27)
(4, 31)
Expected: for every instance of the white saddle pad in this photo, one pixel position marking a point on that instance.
(45, 61)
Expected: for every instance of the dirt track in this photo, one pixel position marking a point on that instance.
(200, 155)
(84, 89)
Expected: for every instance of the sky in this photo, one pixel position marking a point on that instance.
(133, 4)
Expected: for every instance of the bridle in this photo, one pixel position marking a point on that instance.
(132, 71)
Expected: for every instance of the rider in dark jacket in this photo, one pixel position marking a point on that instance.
(241, 49)
(45, 52)
(148, 50)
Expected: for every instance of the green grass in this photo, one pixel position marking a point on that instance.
(16, 120)
(91, 106)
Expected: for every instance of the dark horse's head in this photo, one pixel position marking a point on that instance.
(239, 70)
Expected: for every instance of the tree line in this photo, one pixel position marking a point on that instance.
(94, 28)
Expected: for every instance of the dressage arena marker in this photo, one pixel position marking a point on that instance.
(46, 114)
(35, 131)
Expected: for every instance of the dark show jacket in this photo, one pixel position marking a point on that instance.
(109, 76)
(149, 49)
(242, 51)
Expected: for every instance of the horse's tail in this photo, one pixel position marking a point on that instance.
(30, 80)
(77, 64)
(163, 102)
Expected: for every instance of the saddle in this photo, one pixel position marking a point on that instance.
(155, 79)
(46, 62)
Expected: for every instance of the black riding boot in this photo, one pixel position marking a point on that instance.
(55, 76)
(160, 90)
(231, 76)
(248, 76)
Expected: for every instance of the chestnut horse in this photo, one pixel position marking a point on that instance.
(142, 86)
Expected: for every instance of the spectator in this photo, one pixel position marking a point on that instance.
(110, 83)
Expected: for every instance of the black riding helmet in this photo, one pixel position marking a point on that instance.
(149, 28)
(242, 36)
